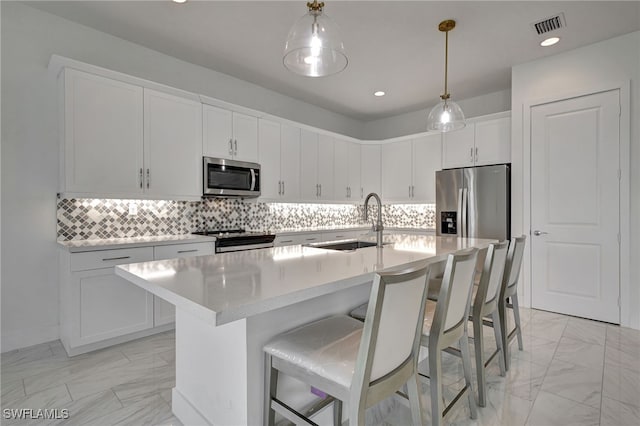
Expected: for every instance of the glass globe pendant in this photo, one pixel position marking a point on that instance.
(447, 115)
(313, 47)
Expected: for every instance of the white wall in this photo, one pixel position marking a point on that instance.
(416, 121)
(568, 74)
(30, 147)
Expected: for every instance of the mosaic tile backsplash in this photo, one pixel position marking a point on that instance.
(84, 219)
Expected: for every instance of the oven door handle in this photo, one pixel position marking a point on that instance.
(253, 179)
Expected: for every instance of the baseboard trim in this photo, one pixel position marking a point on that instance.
(18, 339)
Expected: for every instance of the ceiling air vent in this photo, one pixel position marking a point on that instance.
(550, 24)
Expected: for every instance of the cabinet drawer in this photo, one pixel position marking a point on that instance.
(342, 235)
(107, 258)
(183, 250)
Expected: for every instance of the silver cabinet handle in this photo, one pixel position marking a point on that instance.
(538, 233)
(140, 177)
(148, 178)
(476, 154)
(471, 155)
(188, 251)
(361, 192)
(282, 187)
(310, 239)
(320, 189)
(279, 187)
(317, 190)
(286, 241)
(235, 147)
(230, 146)
(108, 259)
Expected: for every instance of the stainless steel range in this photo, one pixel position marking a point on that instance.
(228, 240)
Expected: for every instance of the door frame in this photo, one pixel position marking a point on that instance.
(624, 88)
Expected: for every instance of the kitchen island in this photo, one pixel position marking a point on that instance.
(229, 305)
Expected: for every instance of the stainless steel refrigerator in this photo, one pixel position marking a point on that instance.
(474, 202)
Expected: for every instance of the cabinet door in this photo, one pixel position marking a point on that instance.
(341, 167)
(396, 171)
(427, 159)
(309, 189)
(245, 137)
(325, 167)
(493, 141)
(269, 149)
(458, 148)
(109, 306)
(217, 132)
(290, 162)
(371, 169)
(172, 145)
(103, 127)
(355, 179)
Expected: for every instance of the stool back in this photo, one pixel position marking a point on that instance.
(393, 324)
(513, 264)
(492, 273)
(454, 299)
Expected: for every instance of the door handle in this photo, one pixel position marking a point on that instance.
(471, 155)
(279, 187)
(476, 154)
(140, 177)
(538, 233)
(253, 179)
(282, 187)
(235, 147)
(148, 178)
(230, 146)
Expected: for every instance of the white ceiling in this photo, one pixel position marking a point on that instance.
(393, 46)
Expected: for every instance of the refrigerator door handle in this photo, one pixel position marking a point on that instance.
(465, 197)
(459, 213)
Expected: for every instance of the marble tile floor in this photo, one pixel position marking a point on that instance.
(571, 372)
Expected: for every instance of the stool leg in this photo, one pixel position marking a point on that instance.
(466, 366)
(478, 345)
(337, 412)
(435, 373)
(414, 400)
(516, 316)
(270, 387)
(497, 332)
(502, 313)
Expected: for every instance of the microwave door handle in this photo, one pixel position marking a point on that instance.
(253, 179)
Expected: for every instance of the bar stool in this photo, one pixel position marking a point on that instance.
(485, 304)
(509, 291)
(355, 362)
(447, 327)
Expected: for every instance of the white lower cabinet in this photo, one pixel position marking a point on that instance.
(100, 309)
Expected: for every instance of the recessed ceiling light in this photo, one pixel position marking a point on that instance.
(379, 93)
(180, 1)
(549, 41)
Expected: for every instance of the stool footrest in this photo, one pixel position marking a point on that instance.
(289, 413)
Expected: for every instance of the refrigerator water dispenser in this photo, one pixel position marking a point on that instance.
(448, 223)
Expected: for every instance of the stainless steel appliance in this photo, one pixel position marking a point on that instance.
(228, 240)
(474, 202)
(230, 178)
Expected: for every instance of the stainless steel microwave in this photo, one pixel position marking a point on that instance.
(230, 178)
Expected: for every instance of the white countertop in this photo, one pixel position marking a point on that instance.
(230, 286)
(131, 242)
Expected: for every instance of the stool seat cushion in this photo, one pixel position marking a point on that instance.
(327, 348)
(360, 313)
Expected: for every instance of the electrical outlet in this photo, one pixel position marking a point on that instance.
(133, 209)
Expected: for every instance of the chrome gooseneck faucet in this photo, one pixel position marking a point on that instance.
(377, 226)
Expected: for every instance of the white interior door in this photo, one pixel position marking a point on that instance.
(575, 147)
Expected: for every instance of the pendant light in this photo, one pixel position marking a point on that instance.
(447, 115)
(314, 47)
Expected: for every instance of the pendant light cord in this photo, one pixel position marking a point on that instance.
(445, 96)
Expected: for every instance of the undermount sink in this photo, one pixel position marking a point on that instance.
(344, 246)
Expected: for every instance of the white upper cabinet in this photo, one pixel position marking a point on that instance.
(371, 169)
(409, 168)
(121, 140)
(102, 140)
(346, 183)
(290, 163)
(309, 187)
(493, 141)
(396, 171)
(279, 161)
(427, 159)
(228, 134)
(325, 167)
(480, 142)
(172, 145)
